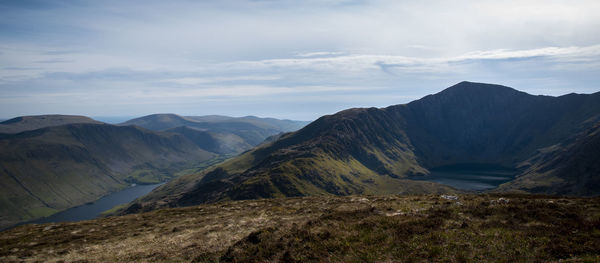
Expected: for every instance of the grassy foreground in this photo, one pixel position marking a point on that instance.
(474, 228)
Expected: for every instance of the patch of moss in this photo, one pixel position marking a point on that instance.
(38, 212)
(113, 210)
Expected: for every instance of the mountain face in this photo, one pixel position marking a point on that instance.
(371, 150)
(28, 123)
(50, 169)
(571, 167)
(483, 123)
(232, 135)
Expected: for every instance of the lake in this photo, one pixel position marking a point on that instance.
(93, 210)
(472, 177)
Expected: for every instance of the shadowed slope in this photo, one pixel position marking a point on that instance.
(227, 130)
(569, 168)
(222, 143)
(474, 122)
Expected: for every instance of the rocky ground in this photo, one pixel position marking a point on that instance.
(433, 228)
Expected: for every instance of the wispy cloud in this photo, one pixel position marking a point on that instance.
(361, 62)
(319, 54)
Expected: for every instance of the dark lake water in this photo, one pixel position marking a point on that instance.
(472, 177)
(93, 210)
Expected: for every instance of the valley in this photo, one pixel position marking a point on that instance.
(95, 209)
(381, 150)
(50, 163)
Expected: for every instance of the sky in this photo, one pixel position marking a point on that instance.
(284, 59)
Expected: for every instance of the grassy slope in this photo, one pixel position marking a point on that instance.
(339, 154)
(51, 169)
(475, 228)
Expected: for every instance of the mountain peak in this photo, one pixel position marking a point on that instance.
(474, 93)
(477, 87)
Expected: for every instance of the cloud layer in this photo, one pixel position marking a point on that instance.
(283, 58)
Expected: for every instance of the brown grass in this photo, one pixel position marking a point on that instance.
(328, 229)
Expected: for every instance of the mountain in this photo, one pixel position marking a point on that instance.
(371, 150)
(235, 134)
(28, 123)
(483, 123)
(53, 168)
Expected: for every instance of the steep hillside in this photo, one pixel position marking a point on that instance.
(227, 130)
(54, 168)
(374, 150)
(474, 122)
(28, 123)
(569, 168)
(339, 154)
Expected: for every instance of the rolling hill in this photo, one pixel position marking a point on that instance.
(238, 134)
(371, 150)
(28, 123)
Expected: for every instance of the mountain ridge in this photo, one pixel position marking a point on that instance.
(33, 122)
(375, 150)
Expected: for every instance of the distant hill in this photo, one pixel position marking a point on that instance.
(234, 134)
(371, 150)
(28, 123)
(50, 169)
(266, 123)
